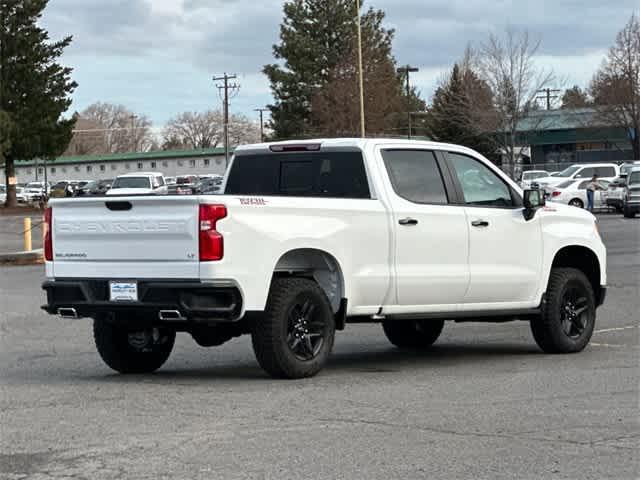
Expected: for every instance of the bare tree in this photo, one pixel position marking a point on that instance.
(205, 130)
(508, 68)
(114, 129)
(195, 129)
(615, 88)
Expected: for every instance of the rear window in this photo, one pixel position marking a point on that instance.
(131, 182)
(304, 174)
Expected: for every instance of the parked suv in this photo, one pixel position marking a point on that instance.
(604, 171)
(142, 183)
(310, 236)
(631, 204)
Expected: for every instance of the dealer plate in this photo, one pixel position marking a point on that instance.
(123, 291)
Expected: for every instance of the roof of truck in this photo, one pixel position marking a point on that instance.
(348, 142)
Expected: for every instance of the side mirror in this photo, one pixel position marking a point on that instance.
(533, 200)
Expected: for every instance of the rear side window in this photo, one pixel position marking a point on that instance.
(415, 175)
(303, 174)
(605, 171)
(566, 184)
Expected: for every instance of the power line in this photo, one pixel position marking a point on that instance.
(225, 87)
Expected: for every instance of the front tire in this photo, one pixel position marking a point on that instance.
(128, 351)
(295, 336)
(412, 333)
(569, 314)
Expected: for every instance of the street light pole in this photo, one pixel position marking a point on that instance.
(406, 70)
(360, 74)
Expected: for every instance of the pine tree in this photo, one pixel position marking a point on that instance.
(317, 38)
(34, 88)
(451, 117)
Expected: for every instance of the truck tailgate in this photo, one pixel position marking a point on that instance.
(126, 237)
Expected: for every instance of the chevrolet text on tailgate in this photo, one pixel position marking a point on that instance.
(310, 236)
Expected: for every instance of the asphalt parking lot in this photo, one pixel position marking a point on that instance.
(483, 403)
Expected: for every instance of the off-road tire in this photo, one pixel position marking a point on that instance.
(548, 329)
(412, 333)
(115, 349)
(270, 332)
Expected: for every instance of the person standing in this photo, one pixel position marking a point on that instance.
(592, 187)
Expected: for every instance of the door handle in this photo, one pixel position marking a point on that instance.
(480, 223)
(408, 221)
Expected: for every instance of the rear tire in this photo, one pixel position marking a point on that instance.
(127, 351)
(295, 336)
(569, 314)
(412, 333)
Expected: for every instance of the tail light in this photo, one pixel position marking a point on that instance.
(211, 242)
(47, 239)
(555, 193)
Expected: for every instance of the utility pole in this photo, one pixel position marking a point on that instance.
(407, 69)
(225, 102)
(133, 132)
(261, 121)
(547, 94)
(360, 74)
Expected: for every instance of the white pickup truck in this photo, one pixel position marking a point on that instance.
(312, 235)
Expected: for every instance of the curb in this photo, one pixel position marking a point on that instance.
(34, 257)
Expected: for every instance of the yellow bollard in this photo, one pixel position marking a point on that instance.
(27, 234)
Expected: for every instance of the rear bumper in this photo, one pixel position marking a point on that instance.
(195, 300)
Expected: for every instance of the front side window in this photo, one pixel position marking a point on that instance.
(415, 175)
(586, 173)
(480, 185)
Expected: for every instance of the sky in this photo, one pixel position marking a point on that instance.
(158, 57)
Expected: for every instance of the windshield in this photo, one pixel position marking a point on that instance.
(634, 177)
(567, 172)
(34, 185)
(625, 169)
(131, 182)
(60, 185)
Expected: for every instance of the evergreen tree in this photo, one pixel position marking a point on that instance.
(34, 88)
(316, 39)
(575, 97)
(451, 115)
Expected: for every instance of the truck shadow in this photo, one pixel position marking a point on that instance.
(344, 363)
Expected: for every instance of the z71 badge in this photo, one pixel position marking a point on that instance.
(252, 201)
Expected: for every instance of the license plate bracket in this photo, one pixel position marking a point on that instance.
(123, 291)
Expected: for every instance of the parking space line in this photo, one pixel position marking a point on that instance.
(605, 330)
(610, 345)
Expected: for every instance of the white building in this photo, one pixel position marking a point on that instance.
(96, 167)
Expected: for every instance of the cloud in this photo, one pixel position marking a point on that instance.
(161, 54)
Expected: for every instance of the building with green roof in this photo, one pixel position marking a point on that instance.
(94, 167)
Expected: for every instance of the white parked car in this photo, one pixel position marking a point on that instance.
(312, 235)
(3, 193)
(605, 171)
(141, 183)
(574, 193)
(531, 176)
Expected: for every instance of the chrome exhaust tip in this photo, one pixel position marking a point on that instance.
(170, 315)
(67, 312)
